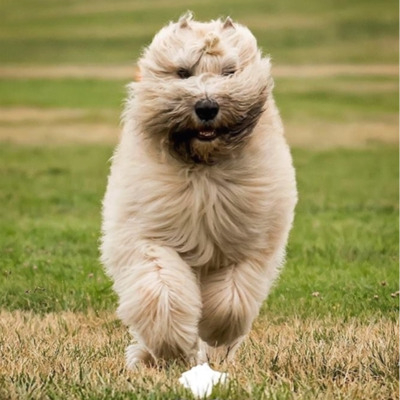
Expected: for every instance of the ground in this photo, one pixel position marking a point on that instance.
(74, 355)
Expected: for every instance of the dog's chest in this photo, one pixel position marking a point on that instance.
(208, 221)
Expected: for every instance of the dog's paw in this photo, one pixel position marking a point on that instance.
(136, 354)
(218, 355)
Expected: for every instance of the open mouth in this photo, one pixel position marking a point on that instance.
(202, 133)
(206, 135)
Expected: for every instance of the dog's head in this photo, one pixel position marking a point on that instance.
(202, 89)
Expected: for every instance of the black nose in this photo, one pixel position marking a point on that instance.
(206, 109)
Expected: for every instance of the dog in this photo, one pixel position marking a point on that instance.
(201, 194)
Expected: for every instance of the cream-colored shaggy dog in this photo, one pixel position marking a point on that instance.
(201, 195)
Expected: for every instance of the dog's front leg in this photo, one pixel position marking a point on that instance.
(231, 300)
(160, 301)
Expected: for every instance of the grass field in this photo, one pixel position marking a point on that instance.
(329, 329)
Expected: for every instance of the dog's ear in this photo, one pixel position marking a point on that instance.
(228, 24)
(185, 19)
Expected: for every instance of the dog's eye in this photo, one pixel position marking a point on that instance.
(183, 73)
(228, 71)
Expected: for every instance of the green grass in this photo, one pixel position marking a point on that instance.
(342, 98)
(345, 238)
(100, 32)
(50, 228)
(70, 93)
(343, 245)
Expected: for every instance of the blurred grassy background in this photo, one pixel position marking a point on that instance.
(104, 32)
(348, 95)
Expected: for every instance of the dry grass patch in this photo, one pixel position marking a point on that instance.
(30, 125)
(55, 133)
(76, 356)
(39, 115)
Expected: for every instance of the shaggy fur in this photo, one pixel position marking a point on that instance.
(198, 210)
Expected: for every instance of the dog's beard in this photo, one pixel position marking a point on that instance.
(208, 143)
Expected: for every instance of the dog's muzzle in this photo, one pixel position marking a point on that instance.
(206, 110)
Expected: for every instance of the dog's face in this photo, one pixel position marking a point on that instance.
(202, 90)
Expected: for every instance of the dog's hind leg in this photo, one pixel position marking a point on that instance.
(160, 301)
(231, 297)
